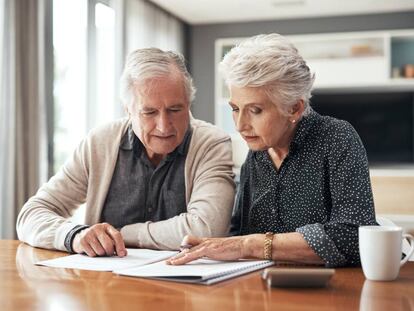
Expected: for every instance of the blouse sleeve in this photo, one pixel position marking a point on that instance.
(336, 241)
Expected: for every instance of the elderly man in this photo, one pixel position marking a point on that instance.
(147, 180)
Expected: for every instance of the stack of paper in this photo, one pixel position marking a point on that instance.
(147, 263)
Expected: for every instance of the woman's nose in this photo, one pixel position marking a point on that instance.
(240, 122)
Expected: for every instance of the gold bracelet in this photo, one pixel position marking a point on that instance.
(267, 250)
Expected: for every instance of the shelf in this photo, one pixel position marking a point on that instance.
(340, 48)
(392, 170)
(402, 54)
(391, 85)
(349, 71)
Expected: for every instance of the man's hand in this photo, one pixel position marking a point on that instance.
(99, 240)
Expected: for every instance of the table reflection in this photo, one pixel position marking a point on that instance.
(57, 288)
(392, 295)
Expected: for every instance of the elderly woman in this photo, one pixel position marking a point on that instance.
(305, 186)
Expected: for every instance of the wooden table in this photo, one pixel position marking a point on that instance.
(24, 286)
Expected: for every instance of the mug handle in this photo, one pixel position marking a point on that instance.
(407, 256)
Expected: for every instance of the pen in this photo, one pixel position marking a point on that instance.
(183, 247)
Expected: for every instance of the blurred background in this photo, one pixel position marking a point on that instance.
(60, 62)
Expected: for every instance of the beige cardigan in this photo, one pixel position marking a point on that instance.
(86, 177)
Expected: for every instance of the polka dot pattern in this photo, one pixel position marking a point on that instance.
(322, 190)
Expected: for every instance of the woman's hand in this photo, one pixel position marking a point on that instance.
(231, 248)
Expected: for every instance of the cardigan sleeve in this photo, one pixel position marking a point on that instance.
(44, 221)
(336, 241)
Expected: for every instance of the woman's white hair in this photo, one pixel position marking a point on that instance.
(149, 63)
(272, 63)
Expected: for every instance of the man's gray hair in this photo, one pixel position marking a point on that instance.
(272, 63)
(149, 63)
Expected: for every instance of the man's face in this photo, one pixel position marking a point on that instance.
(160, 115)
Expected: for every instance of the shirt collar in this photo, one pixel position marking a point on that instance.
(127, 141)
(304, 126)
(183, 147)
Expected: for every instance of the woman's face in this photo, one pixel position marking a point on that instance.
(258, 120)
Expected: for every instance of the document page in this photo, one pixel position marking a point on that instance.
(135, 257)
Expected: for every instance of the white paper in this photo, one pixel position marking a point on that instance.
(135, 257)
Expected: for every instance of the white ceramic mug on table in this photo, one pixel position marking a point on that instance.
(380, 249)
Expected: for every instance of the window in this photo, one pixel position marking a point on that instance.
(104, 99)
(84, 77)
(69, 45)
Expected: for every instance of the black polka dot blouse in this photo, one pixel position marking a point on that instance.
(322, 190)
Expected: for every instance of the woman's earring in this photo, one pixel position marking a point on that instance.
(293, 121)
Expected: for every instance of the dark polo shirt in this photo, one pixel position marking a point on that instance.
(140, 192)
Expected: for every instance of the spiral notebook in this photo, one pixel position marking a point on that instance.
(201, 271)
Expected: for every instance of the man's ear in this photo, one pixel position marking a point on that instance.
(126, 110)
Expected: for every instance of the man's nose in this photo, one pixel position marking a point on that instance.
(164, 123)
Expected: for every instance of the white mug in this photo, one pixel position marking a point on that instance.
(380, 249)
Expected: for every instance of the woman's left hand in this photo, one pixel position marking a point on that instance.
(231, 248)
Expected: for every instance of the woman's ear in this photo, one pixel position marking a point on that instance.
(297, 111)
